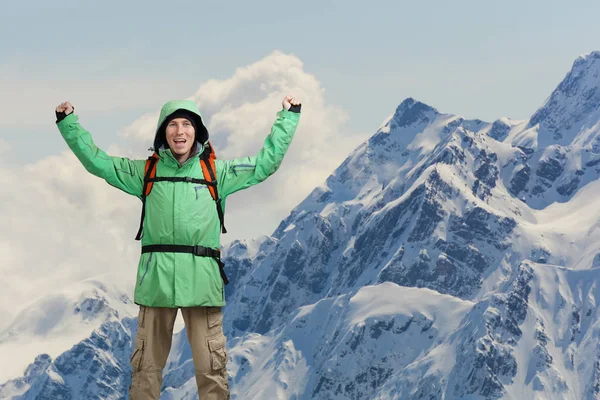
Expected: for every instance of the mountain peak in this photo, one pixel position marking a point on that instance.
(411, 111)
(584, 59)
(571, 104)
(583, 75)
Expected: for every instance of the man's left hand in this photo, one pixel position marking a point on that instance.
(289, 101)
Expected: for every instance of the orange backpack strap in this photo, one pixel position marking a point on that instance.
(149, 174)
(207, 163)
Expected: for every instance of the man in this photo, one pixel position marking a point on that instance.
(182, 219)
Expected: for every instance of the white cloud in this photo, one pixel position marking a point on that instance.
(62, 225)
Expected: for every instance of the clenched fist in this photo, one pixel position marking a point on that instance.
(289, 101)
(65, 107)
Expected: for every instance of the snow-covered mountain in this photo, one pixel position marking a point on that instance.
(561, 141)
(345, 346)
(76, 340)
(445, 258)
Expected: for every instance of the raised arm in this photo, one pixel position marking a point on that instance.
(119, 172)
(241, 173)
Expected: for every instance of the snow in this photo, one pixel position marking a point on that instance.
(247, 248)
(289, 227)
(382, 300)
(283, 359)
(431, 136)
(568, 230)
(554, 289)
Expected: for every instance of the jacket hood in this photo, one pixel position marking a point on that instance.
(168, 109)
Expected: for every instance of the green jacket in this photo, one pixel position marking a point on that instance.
(180, 212)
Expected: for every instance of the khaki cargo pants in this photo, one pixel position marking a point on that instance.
(204, 326)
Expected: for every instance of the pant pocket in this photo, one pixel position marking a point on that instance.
(138, 353)
(218, 354)
(142, 317)
(214, 317)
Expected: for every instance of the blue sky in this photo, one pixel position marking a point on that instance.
(478, 59)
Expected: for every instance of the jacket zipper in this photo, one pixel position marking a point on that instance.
(241, 166)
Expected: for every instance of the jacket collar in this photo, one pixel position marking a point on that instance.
(167, 156)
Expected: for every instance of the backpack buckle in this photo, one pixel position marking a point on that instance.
(200, 251)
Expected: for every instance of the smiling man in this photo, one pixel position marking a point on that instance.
(183, 188)
(180, 137)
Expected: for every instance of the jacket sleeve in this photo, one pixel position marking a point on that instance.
(121, 173)
(241, 173)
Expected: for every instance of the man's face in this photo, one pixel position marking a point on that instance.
(180, 137)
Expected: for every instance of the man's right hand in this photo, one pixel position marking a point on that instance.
(65, 107)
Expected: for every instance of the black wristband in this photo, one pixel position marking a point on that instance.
(296, 108)
(62, 115)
